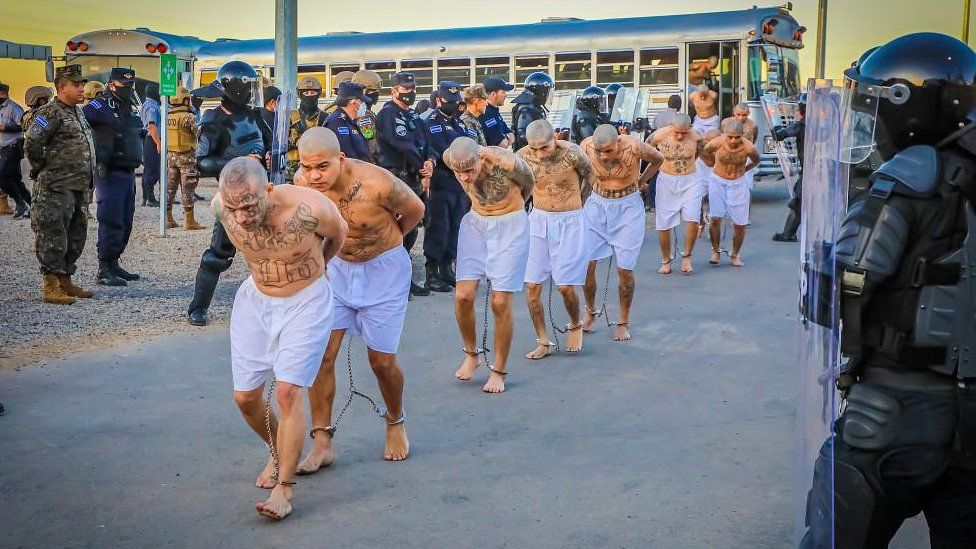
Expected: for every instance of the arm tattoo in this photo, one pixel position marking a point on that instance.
(398, 195)
(585, 170)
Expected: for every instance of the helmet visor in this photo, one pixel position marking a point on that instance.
(859, 113)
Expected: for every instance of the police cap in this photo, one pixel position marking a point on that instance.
(402, 79)
(122, 74)
(495, 83)
(270, 94)
(69, 72)
(352, 90)
(449, 90)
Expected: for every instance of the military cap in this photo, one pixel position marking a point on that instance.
(36, 92)
(181, 95)
(122, 74)
(352, 90)
(449, 90)
(368, 79)
(495, 83)
(402, 79)
(93, 88)
(69, 72)
(309, 83)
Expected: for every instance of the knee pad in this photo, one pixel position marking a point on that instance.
(872, 418)
(213, 262)
(840, 505)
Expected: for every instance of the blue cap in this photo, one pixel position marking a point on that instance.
(494, 83)
(352, 90)
(448, 90)
(403, 78)
(122, 74)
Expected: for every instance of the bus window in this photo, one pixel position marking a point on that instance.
(98, 67)
(528, 64)
(207, 77)
(385, 69)
(791, 72)
(572, 70)
(773, 69)
(336, 68)
(456, 70)
(659, 67)
(423, 74)
(315, 71)
(491, 66)
(615, 67)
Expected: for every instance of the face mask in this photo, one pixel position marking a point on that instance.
(362, 110)
(408, 97)
(374, 97)
(450, 109)
(124, 94)
(2, 101)
(309, 103)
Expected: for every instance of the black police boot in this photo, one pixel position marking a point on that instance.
(418, 290)
(150, 201)
(203, 291)
(434, 283)
(789, 230)
(107, 277)
(2, 411)
(199, 198)
(198, 317)
(22, 211)
(122, 273)
(446, 272)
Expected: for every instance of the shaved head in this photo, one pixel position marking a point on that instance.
(702, 88)
(243, 175)
(604, 135)
(463, 154)
(539, 131)
(731, 126)
(742, 107)
(681, 120)
(711, 134)
(319, 140)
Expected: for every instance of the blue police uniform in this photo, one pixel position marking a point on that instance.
(447, 202)
(494, 126)
(119, 135)
(351, 140)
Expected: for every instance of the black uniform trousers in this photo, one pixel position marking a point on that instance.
(413, 181)
(150, 168)
(116, 195)
(11, 177)
(215, 260)
(446, 205)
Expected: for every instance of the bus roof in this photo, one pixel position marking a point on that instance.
(133, 42)
(557, 35)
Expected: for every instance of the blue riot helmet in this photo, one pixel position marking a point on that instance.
(592, 99)
(539, 84)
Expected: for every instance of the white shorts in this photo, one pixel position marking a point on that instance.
(557, 247)
(496, 248)
(615, 226)
(370, 298)
(677, 197)
(729, 198)
(285, 334)
(704, 176)
(702, 125)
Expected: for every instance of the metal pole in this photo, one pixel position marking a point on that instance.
(163, 164)
(965, 22)
(286, 44)
(822, 38)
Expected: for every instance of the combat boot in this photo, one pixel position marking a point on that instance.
(72, 289)
(120, 272)
(445, 270)
(22, 211)
(5, 208)
(190, 223)
(108, 277)
(418, 290)
(170, 221)
(53, 292)
(434, 283)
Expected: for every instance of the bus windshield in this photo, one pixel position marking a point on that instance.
(97, 67)
(773, 69)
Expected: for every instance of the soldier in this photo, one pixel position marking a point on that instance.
(119, 135)
(476, 102)
(181, 146)
(403, 149)
(61, 152)
(371, 83)
(307, 115)
(530, 105)
(352, 105)
(92, 89)
(11, 152)
(337, 80)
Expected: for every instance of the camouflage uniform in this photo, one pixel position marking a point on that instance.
(473, 127)
(181, 154)
(61, 151)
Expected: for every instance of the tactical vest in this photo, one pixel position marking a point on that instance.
(179, 131)
(299, 125)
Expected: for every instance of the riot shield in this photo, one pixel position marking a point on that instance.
(818, 355)
(562, 106)
(279, 136)
(781, 113)
(625, 106)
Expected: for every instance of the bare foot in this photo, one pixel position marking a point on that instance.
(264, 479)
(665, 267)
(686, 265)
(588, 319)
(397, 445)
(541, 351)
(621, 333)
(737, 261)
(470, 364)
(496, 383)
(278, 506)
(716, 255)
(321, 455)
(574, 336)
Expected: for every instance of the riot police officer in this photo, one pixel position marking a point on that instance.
(307, 115)
(235, 128)
(371, 83)
(447, 202)
(611, 92)
(591, 106)
(795, 130)
(343, 121)
(906, 440)
(119, 135)
(402, 147)
(530, 105)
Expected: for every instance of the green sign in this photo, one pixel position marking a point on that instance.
(169, 74)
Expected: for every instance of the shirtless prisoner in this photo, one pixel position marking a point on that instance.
(705, 102)
(557, 229)
(282, 312)
(370, 278)
(728, 189)
(678, 195)
(741, 113)
(493, 243)
(615, 214)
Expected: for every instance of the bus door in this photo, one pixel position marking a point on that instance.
(715, 64)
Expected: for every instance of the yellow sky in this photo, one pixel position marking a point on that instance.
(853, 25)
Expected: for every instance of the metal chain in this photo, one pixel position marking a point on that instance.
(606, 293)
(484, 330)
(381, 411)
(267, 426)
(556, 330)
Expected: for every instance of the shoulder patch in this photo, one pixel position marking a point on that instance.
(491, 122)
(95, 103)
(473, 133)
(436, 128)
(40, 121)
(342, 130)
(401, 130)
